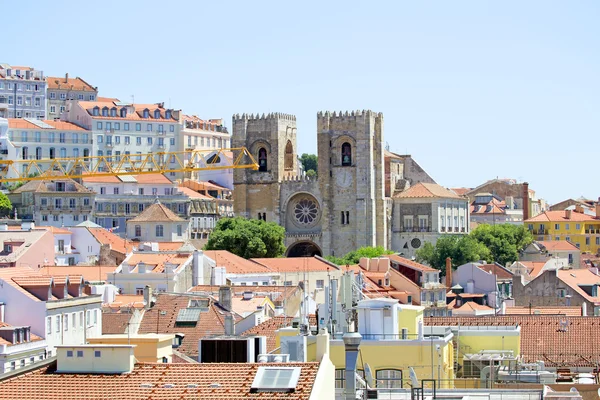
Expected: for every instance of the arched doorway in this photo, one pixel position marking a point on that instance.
(304, 249)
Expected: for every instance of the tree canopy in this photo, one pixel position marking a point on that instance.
(247, 238)
(5, 205)
(354, 256)
(499, 243)
(309, 163)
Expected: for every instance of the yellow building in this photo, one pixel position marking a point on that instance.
(575, 226)
(149, 347)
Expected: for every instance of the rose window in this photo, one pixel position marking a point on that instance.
(306, 211)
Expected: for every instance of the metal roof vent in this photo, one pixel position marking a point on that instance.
(214, 385)
(146, 385)
(169, 385)
(192, 385)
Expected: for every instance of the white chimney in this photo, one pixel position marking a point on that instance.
(583, 310)
(2, 306)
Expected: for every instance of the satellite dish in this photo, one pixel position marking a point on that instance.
(413, 377)
(369, 376)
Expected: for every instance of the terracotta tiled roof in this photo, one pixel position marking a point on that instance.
(19, 123)
(500, 272)
(556, 340)
(32, 337)
(461, 191)
(169, 246)
(558, 245)
(269, 328)
(116, 243)
(295, 264)
(101, 179)
(544, 310)
(33, 281)
(41, 186)
(136, 115)
(107, 99)
(157, 213)
(427, 190)
(234, 382)
(533, 267)
(409, 263)
(152, 178)
(141, 178)
(558, 216)
(575, 277)
(472, 306)
(56, 230)
(161, 318)
(115, 323)
(275, 293)
(203, 185)
(126, 301)
(90, 273)
(69, 83)
(245, 307)
(234, 264)
(156, 260)
(193, 194)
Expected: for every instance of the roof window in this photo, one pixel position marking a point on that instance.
(275, 379)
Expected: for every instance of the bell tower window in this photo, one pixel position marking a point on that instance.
(346, 155)
(262, 159)
(289, 156)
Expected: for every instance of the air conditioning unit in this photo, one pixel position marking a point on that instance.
(295, 347)
(273, 358)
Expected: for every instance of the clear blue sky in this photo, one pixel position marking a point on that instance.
(472, 89)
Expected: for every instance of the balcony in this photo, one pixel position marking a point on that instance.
(108, 144)
(539, 232)
(162, 133)
(416, 229)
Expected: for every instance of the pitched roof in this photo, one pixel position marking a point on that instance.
(126, 301)
(115, 323)
(500, 272)
(117, 243)
(534, 268)
(21, 123)
(576, 277)
(192, 194)
(157, 213)
(234, 382)
(77, 84)
(270, 326)
(90, 273)
(461, 191)
(235, 264)
(42, 186)
(295, 264)
(409, 263)
(556, 340)
(544, 310)
(276, 293)
(141, 178)
(162, 317)
(558, 216)
(32, 337)
(558, 245)
(427, 190)
(156, 260)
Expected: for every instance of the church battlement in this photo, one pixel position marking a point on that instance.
(263, 116)
(298, 178)
(347, 120)
(245, 125)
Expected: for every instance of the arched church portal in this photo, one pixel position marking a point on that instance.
(304, 249)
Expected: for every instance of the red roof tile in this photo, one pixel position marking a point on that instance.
(234, 382)
(234, 264)
(558, 245)
(157, 213)
(500, 272)
(544, 310)
(269, 328)
(556, 340)
(410, 264)
(557, 216)
(116, 242)
(115, 323)
(90, 273)
(295, 264)
(427, 190)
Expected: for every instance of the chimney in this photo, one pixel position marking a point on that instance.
(2, 312)
(525, 201)
(579, 208)
(225, 297)
(584, 309)
(66, 77)
(568, 214)
(229, 325)
(448, 272)
(351, 345)
(598, 208)
(147, 297)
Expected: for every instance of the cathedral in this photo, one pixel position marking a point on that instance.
(349, 204)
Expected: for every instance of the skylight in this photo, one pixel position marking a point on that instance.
(276, 379)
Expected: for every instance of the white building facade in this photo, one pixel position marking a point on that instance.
(22, 92)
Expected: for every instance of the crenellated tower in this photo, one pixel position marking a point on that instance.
(351, 180)
(271, 139)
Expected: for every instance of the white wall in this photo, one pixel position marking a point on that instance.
(85, 243)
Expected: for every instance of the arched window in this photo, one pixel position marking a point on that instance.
(156, 114)
(346, 154)
(105, 112)
(113, 112)
(146, 113)
(63, 152)
(76, 152)
(138, 231)
(52, 152)
(25, 152)
(38, 153)
(123, 112)
(262, 159)
(289, 157)
(95, 111)
(86, 152)
(168, 114)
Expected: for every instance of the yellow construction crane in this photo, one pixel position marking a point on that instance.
(125, 164)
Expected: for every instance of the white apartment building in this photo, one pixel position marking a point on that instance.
(31, 139)
(119, 128)
(22, 92)
(120, 198)
(63, 89)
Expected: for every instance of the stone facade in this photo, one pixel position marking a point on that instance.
(343, 209)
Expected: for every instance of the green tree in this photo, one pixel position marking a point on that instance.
(461, 249)
(5, 205)
(247, 238)
(311, 173)
(504, 241)
(309, 163)
(354, 256)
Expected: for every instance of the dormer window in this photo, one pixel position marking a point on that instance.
(95, 111)
(113, 112)
(168, 114)
(156, 114)
(8, 248)
(105, 112)
(146, 113)
(123, 112)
